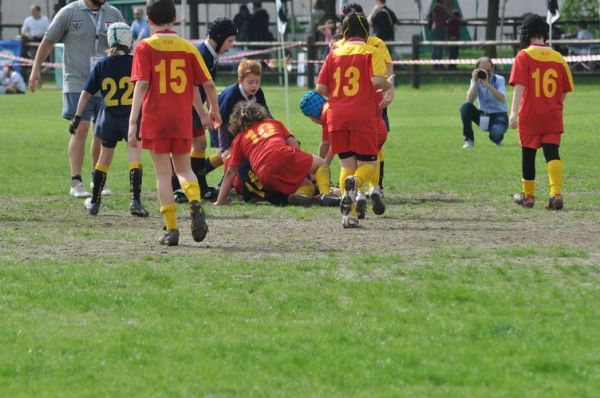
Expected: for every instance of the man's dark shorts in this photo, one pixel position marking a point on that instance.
(90, 112)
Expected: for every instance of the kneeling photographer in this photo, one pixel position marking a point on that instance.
(489, 89)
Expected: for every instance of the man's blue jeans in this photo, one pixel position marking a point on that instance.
(498, 122)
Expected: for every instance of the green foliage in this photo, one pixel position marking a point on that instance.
(579, 9)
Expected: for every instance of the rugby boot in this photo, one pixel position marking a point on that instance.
(329, 200)
(170, 237)
(555, 203)
(179, 196)
(199, 227)
(211, 194)
(526, 201)
(298, 199)
(136, 209)
(361, 205)
(92, 207)
(349, 196)
(377, 201)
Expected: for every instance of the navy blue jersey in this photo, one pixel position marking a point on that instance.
(227, 100)
(209, 60)
(112, 77)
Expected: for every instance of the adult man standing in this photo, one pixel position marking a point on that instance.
(139, 27)
(383, 20)
(81, 26)
(491, 116)
(440, 17)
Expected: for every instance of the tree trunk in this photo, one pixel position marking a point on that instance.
(492, 24)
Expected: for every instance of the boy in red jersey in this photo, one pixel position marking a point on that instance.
(351, 77)
(166, 70)
(542, 80)
(274, 155)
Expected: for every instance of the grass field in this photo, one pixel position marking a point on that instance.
(454, 292)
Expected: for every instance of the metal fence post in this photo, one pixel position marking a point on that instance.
(311, 50)
(414, 74)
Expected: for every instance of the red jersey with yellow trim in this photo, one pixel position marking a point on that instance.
(173, 67)
(258, 143)
(546, 77)
(352, 98)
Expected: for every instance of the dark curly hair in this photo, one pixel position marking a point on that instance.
(533, 25)
(244, 115)
(351, 7)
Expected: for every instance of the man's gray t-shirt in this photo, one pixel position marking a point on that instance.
(76, 25)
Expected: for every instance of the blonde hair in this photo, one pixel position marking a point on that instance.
(244, 115)
(248, 67)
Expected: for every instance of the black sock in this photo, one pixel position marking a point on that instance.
(76, 177)
(175, 182)
(381, 174)
(135, 182)
(99, 181)
(198, 169)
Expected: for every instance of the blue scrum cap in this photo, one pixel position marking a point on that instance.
(312, 103)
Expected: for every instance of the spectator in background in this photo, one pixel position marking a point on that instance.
(454, 35)
(259, 24)
(33, 31)
(139, 27)
(242, 22)
(12, 82)
(582, 34)
(383, 20)
(439, 16)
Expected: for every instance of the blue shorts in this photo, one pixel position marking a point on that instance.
(111, 129)
(70, 101)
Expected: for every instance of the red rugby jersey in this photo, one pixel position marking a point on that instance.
(546, 77)
(173, 67)
(347, 73)
(258, 143)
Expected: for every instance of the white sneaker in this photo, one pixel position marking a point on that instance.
(350, 222)
(468, 144)
(78, 190)
(105, 191)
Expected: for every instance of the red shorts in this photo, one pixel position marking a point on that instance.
(535, 141)
(381, 134)
(286, 170)
(198, 132)
(176, 146)
(361, 143)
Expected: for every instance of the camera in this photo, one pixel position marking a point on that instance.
(481, 74)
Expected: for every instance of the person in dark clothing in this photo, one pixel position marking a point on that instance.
(383, 21)
(259, 24)
(453, 30)
(242, 21)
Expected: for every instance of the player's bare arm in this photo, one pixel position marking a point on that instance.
(514, 109)
(43, 51)
(139, 92)
(199, 107)
(226, 185)
(211, 96)
(381, 83)
(322, 89)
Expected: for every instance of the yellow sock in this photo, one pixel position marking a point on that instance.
(101, 167)
(306, 188)
(169, 213)
(363, 174)
(135, 165)
(528, 187)
(343, 174)
(555, 175)
(323, 176)
(374, 180)
(191, 189)
(215, 160)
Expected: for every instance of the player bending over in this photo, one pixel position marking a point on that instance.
(166, 69)
(542, 80)
(275, 155)
(112, 77)
(350, 78)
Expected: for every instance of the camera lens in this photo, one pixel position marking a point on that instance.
(481, 74)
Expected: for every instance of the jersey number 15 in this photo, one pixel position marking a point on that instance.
(175, 76)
